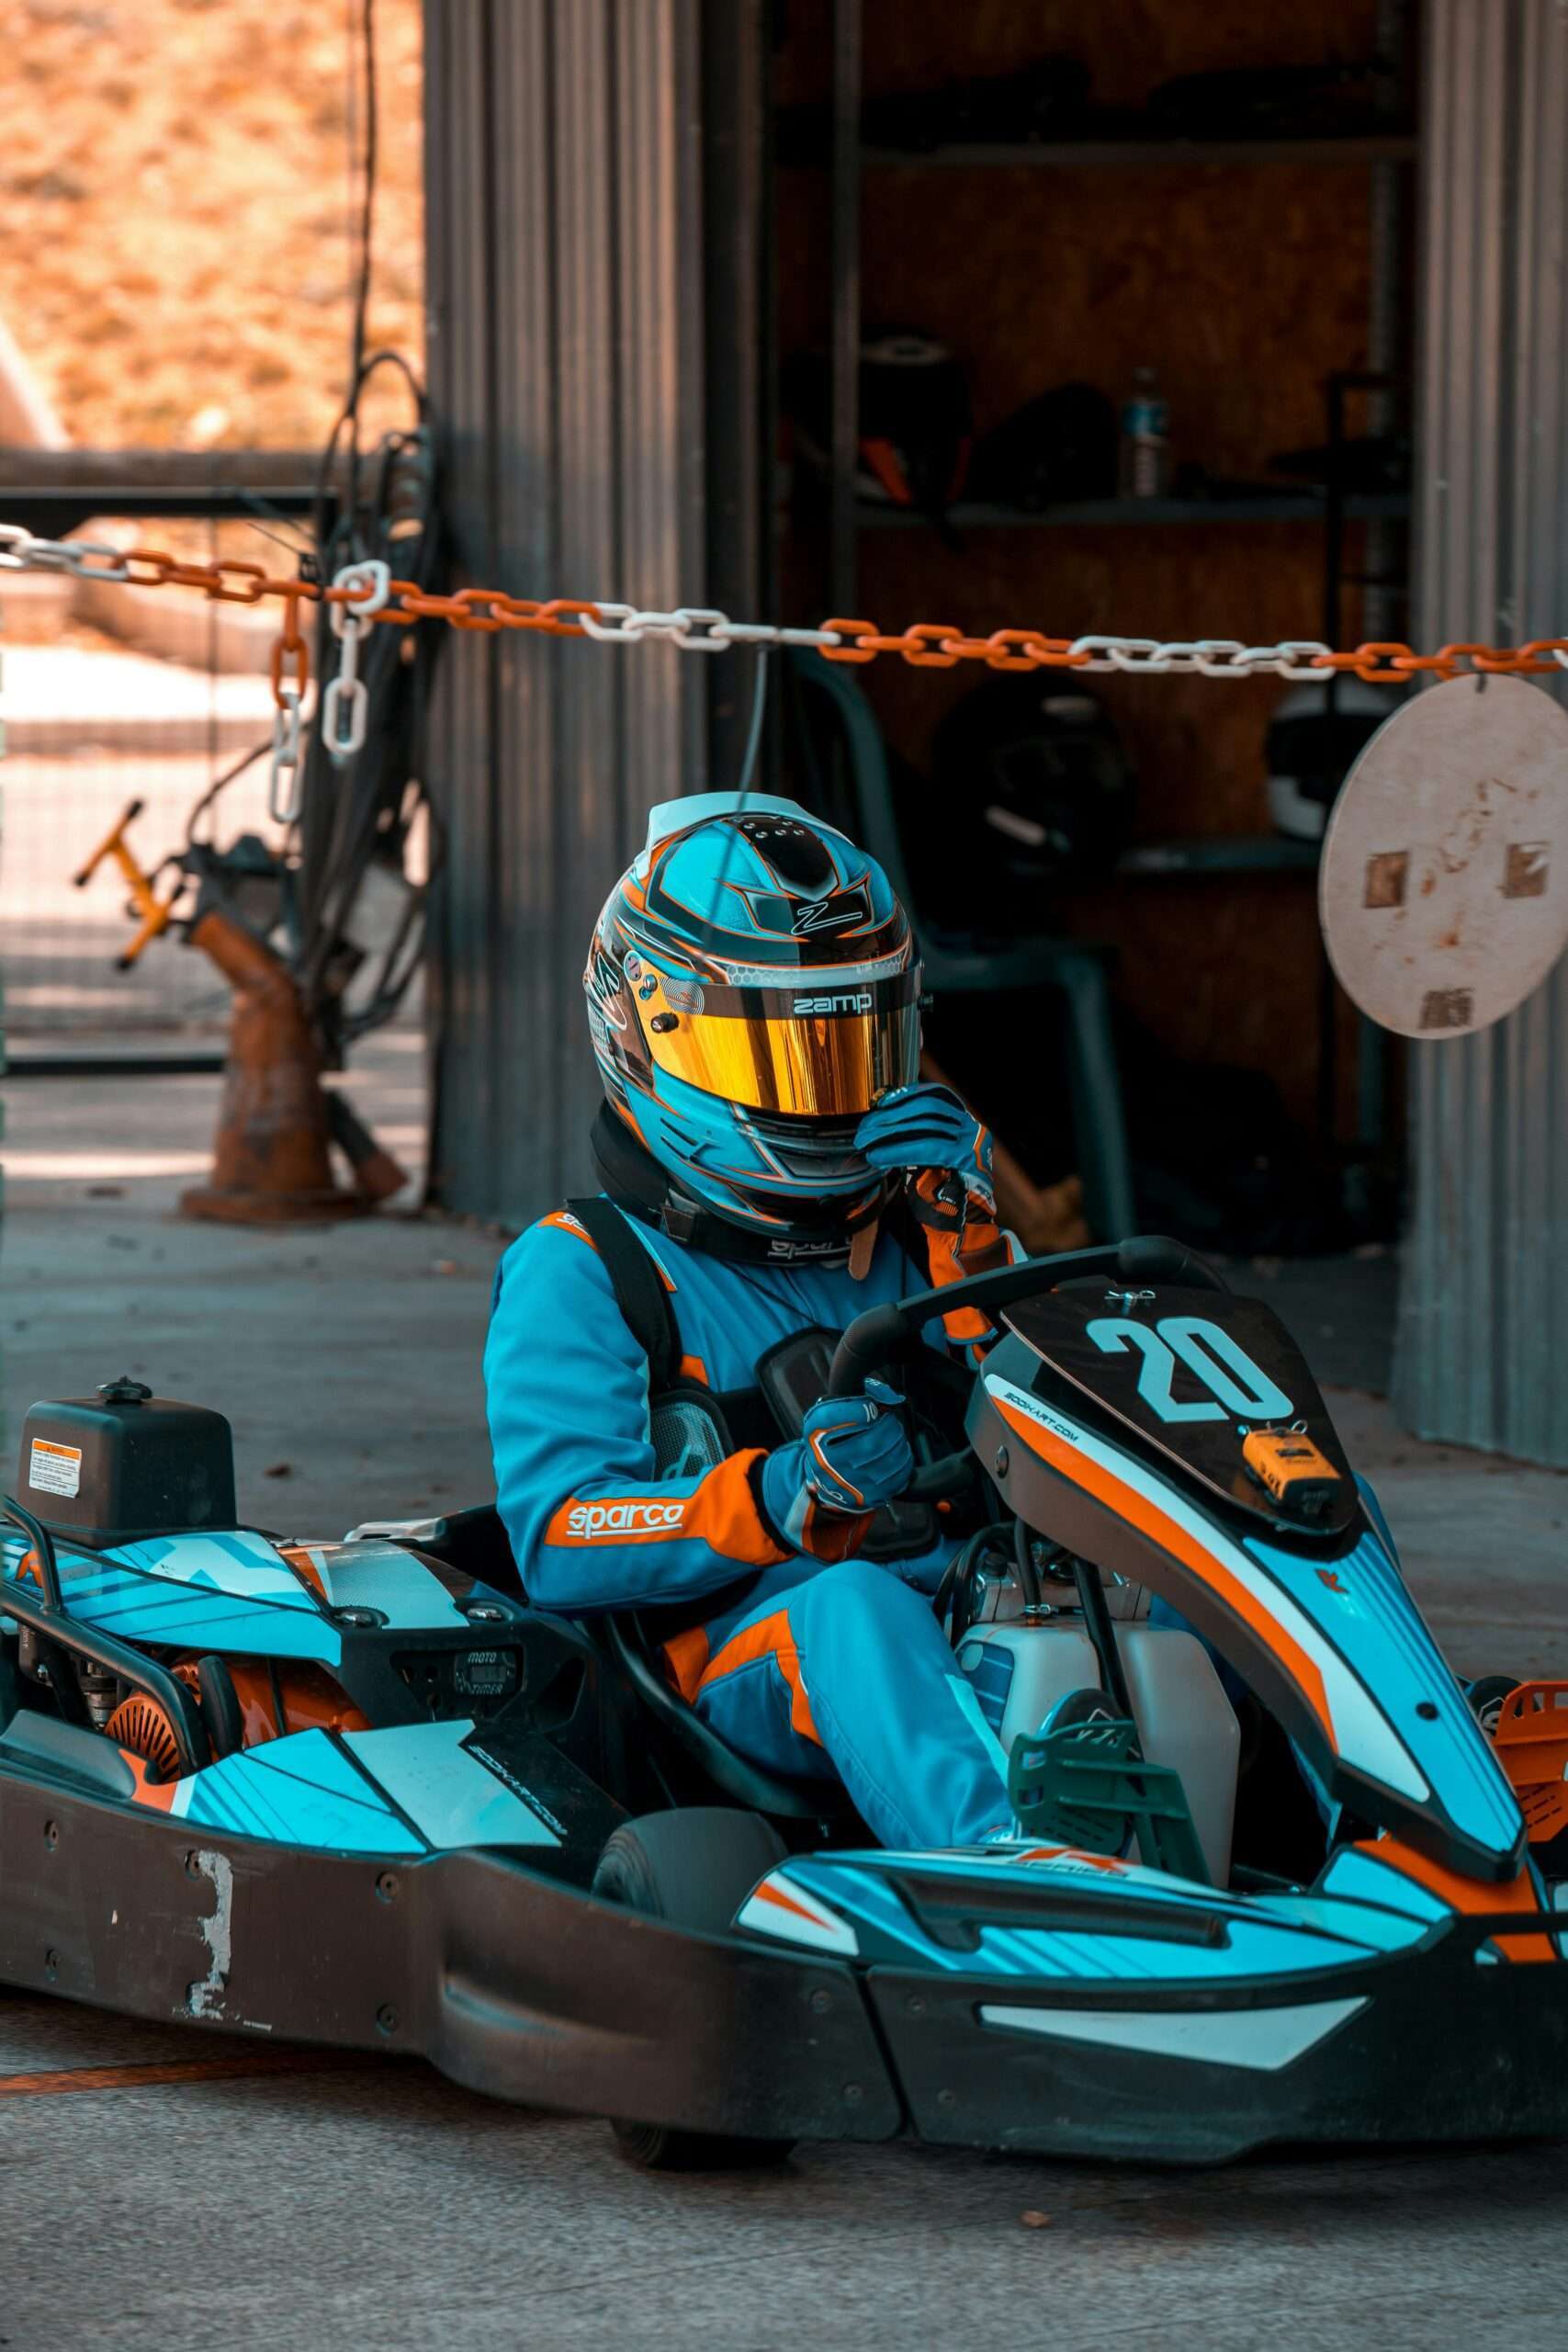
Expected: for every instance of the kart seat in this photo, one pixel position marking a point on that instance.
(742, 1781)
(474, 1542)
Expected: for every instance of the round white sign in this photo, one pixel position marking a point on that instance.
(1443, 891)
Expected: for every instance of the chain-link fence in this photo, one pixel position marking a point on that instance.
(109, 700)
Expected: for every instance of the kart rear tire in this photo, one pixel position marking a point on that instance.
(692, 1868)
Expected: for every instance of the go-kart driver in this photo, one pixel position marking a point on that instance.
(753, 997)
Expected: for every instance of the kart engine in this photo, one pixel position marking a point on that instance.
(122, 1468)
(245, 1701)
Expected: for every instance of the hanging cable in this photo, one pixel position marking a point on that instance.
(754, 735)
(220, 784)
(367, 214)
(359, 812)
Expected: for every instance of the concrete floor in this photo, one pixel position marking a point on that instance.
(376, 2204)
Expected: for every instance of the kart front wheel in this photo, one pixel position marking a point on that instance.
(693, 1870)
(1486, 1695)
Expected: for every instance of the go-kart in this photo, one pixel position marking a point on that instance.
(362, 1793)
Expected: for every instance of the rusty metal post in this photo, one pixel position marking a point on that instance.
(271, 1158)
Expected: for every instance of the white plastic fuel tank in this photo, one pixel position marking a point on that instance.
(1019, 1670)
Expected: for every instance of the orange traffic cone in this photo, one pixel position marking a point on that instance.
(271, 1162)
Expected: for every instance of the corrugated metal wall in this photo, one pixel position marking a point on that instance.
(1484, 1297)
(563, 188)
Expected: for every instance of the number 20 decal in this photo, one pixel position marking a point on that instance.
(1236, 1384)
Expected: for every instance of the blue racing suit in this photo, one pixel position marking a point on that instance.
(812, 1664)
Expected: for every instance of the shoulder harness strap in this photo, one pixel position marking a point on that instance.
(638, 1286)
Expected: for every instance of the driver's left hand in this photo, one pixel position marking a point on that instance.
(945, 1153)
(926, 1127)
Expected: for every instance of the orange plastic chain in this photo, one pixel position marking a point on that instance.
(933, 645)
(925, 645)
(229, 580)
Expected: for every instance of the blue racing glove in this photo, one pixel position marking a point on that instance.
(945, 1153)
(853, 1456)
(922, 1127)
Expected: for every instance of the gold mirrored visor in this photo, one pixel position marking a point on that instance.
(809, 1056)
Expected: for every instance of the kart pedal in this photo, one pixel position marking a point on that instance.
(1081, 1781)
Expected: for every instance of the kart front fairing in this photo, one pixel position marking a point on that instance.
(1315, 1618)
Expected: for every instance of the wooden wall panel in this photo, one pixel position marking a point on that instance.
(1130, 45)
(1245, 288)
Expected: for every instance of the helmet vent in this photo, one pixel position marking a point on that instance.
(797, 852)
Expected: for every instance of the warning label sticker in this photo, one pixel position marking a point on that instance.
(55, 1469)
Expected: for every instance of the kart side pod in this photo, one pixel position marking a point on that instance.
(124, 1465)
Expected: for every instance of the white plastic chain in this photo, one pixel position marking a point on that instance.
(1206, 657)
(283, 783)
(345, 705)
(696, 628)
(20, 551)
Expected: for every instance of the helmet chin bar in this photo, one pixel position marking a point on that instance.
(818, 1229)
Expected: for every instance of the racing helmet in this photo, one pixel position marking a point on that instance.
(753, 990)
(1047, 790)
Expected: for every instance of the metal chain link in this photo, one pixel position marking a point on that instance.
(365, 594)
(283, 786)
(345, 705)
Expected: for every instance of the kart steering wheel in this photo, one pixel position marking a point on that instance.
(883, 1333)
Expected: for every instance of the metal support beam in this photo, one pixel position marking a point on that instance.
(738, 314)
(846, 322)
(1484, 1298)
(564, 177)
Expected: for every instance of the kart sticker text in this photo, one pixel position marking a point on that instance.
(587, 1522)
(55, 1469)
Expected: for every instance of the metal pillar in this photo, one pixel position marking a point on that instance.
(843, 519)
(1484, 1310)
(564, 170)
(741, 422)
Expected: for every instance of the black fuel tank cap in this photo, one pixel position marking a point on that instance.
(124, 1391)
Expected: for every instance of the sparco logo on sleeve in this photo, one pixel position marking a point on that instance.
(586, 1521)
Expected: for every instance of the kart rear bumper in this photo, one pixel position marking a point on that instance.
(521, 1987)
(514, 1983)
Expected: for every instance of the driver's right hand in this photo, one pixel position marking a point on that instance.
(853, 1455)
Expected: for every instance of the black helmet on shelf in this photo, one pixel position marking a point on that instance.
(1037, 794)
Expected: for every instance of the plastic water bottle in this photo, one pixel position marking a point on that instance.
(1145, 439)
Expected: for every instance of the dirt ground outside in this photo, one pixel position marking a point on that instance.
(180, 193)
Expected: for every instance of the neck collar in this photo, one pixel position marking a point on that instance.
(635, 1182)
